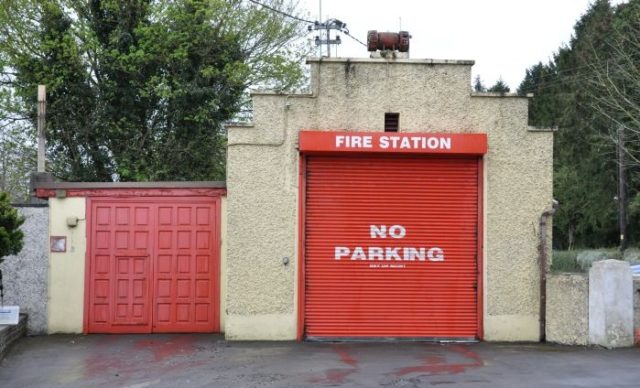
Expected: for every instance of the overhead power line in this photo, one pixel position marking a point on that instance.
(353, 37)
(281, 12)
(317, 25)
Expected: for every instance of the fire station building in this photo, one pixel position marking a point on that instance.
(390, 201)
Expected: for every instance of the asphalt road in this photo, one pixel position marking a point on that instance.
(208, 361)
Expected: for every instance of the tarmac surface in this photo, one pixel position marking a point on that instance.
(194, 360)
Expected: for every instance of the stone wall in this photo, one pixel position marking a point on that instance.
(568, 308)
(26, 274)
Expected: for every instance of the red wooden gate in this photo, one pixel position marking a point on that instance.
(153, 265)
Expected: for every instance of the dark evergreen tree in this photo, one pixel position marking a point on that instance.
(478, 86)
(584, 155)
(499, 87)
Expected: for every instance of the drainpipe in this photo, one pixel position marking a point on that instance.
(543, 260)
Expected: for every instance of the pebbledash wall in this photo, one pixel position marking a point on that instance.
(353, 95)
(25, 274)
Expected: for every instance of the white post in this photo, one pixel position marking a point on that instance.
(611, 304)
(42, 115)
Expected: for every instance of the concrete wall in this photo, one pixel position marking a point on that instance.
(568, 308)
(26, 274)
(66, 273)
(223, 262)
(354, 94)
(636, 308)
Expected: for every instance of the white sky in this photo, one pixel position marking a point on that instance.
(504, 37)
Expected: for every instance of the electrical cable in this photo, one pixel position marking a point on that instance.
(281, 12)
(353, 37)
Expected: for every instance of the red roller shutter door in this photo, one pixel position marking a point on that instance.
(153, 265)
(391, 246)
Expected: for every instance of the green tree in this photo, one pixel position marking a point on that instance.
(478, 86)
(499, 87)
(139, 90)
(10, 234)
(584, 156)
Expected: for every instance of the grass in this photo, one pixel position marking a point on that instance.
(565, 261)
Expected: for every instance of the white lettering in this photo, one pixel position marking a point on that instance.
(445, 143)
(435, 254)
(397, 231)
(339, 141)
(384, 142)
(358, 254)
(405, 143)
(380, 232)
(410, 254)
(394, 141)
(432, 142)
(416, 141)
(341, 251)
(376, 253)
(390, 253)
(356, 141)
(366, 142)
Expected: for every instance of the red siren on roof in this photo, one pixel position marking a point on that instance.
(384, 41)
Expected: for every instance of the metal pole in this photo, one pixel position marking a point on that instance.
(622, 190)
(320, 19)
(328, 43)
(42, 115)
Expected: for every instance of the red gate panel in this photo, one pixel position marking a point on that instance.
(153, 265)
(391, 246)
(184, 285)
(120, 277)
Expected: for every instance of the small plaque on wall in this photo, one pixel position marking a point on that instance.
(58, 243)
(9, 315)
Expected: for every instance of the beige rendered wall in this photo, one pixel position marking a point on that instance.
(66, 270)
(223, 262)
(354, 94)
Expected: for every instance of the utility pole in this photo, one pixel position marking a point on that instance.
(42, 116)
(327, 26)
(622, 190)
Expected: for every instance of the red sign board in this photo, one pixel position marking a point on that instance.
(410, 143)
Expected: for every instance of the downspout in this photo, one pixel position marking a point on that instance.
(543, 260)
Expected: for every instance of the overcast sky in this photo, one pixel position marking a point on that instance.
(504, 37)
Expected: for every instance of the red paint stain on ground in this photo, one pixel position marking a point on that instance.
(437, 365)
(333, 376)
(338, 375)
(345, 357)
(163, 349)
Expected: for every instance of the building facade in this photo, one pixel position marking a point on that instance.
(326, 240)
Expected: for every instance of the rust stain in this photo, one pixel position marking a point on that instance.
(437, 365)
